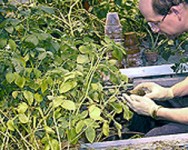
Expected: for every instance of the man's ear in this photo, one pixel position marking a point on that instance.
(177, 10)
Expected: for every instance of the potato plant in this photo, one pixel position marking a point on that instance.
(53, 75)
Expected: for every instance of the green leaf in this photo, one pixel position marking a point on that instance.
(20, 81)
(32, 39)
(33, 85)
(97, 87)
(22, 107)
(37, 73)
(15, 94)
(29, 97)
(118, 2)
(10, 125)
(69, 75)
(44, 86)
(10, 77)
(94, 112)
(9, 29)
(79, 126)
(118, 125)
(71, 134)
(49, 130)
(117, 54)
(67, 86)
(55, 45)
(38, 97)
(90, 134)
(12, 44)
(23, 118)
(42, 55)
(105, 129)
(69, 105)
(47, 9)
(50, 81)
(117, 107)
(57, 102)
(82, 59)
(127, 114)
(83, 114)
(84, 49)
(3, 43)
(43, 36)
(55, 144)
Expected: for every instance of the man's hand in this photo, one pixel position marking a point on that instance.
(141, 105)
(155, 91)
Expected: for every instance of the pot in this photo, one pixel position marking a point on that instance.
(151, 57)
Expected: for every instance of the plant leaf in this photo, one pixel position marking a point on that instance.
(44, 86)
(10, 77)
(67, 86)
(82, 59)
(29, 97)
(105, 129)
(23, 118)
(90, 134)
(22, 107)
(94, 112)
(20, 81)
(84, 49)
(3, 43)
(68, 104)
(79, 126)
(32, 39)
(12, 44)
(10, 125)
(48, 129)
(57, 102)
(15, 94)
(38, 97)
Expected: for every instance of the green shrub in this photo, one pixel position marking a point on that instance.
(53, 66)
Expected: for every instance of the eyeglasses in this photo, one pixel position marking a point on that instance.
(155, 25)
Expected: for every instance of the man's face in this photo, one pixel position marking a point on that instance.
(168, 24)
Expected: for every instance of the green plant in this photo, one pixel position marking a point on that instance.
(52, 68)
(154, 42)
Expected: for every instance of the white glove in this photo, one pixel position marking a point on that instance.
(155, 91)
(142, 105)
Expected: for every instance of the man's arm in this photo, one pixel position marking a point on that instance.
(181, 88)
(173, 114)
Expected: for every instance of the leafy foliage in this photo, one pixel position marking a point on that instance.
(53, 66)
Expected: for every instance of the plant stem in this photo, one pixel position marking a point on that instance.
(69, 16)
(57, 130)
(90, 77)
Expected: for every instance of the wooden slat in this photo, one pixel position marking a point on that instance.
(163, 81)
(148, 143)
(150, 71)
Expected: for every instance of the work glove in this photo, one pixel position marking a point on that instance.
(155, 91)
(142, 105)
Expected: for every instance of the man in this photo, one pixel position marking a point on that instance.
(168, 17)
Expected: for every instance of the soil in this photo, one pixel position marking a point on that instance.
(158, 145)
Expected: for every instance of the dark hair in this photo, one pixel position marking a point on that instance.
(162, 7)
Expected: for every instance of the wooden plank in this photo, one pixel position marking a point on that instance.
(163, 81)
(150, 71)
(180, 140)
